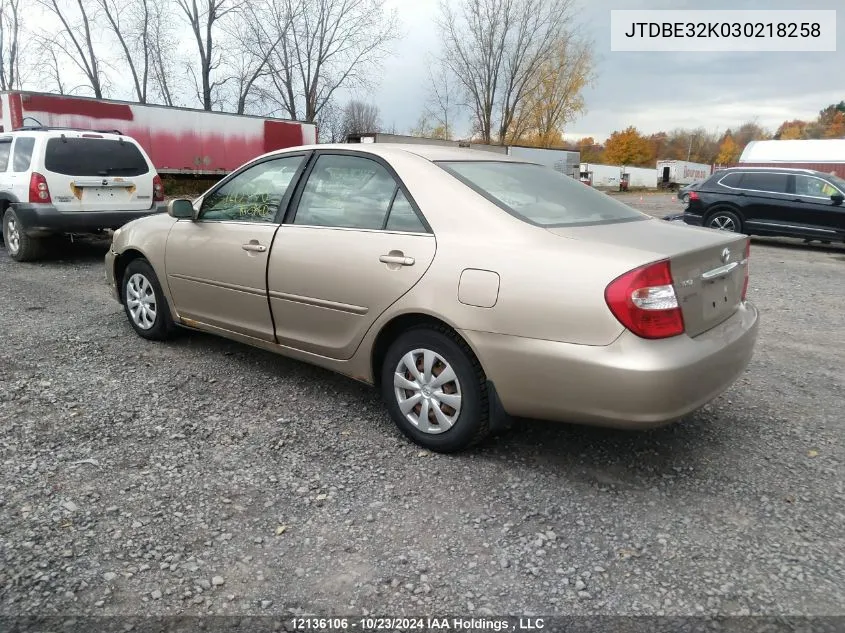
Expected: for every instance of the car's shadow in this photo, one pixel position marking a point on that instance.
(74, 250)
(788, 243)
(604, 457)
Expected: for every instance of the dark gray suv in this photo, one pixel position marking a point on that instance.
(771, 201)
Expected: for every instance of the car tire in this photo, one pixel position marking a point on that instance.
(724, 220)
(144, 302)
(464, 418)
(20, 246)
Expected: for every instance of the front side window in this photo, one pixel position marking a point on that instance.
(22, 156)
(761, 181)
(540, 195)
(813, 187)
(347, 192)
(255, 194)
(94, 157)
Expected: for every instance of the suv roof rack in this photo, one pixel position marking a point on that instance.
(50, 128)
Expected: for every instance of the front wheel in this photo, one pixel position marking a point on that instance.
(144, 302)
(725, 221)
(435, 390)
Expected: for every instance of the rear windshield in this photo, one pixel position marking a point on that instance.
(540, 195)
(94, 157)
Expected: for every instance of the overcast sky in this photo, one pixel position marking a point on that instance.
(654, 91)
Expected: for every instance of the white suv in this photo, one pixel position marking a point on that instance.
(55, 181)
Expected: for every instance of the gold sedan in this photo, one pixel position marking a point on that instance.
(468, 287)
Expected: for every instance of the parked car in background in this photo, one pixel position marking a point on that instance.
(771, 201)
(354, 259)
(55, 181)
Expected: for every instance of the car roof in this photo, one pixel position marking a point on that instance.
(58, 132)
(429, 152)
(796, 170)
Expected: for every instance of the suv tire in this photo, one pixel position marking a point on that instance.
(20, 246)
(724, 220)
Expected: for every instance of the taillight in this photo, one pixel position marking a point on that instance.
(38, 189)
(158, 189)
(747, 263)
(692, 196)
(645, 302)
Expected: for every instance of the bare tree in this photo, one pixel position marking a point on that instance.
(443, 101)
(331, 44)
(202, 16)
(75, 39)
(162, 44)
(9, 44)
(494, 48)
(331, 124)
(133, 36)
(256, 33)
(360, 118)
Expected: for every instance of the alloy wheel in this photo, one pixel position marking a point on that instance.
(141, 301)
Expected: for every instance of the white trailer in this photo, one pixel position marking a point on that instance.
(601, 176)
(830, 150)
(617, 176)
(638, 177)
(564, 161)
(672, 174)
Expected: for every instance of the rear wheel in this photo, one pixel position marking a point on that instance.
(20, 246)
(725, 220)
(144, 302)
(435, 390)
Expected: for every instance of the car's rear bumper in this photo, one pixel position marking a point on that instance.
(631, 383)
(693, 218)
(37, 219)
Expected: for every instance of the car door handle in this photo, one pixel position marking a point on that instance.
(253, 246)
(396, 259)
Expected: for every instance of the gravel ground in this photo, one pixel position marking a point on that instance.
(202, 476)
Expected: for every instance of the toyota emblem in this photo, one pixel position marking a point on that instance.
(105, 182)
(726, 255)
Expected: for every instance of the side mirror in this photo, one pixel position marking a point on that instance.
(181, 209)
(837, 198)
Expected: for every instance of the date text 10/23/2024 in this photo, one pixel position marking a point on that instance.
(369, 623)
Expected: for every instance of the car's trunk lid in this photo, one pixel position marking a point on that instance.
(708, 266)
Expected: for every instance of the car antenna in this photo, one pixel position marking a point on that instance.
(64, 139)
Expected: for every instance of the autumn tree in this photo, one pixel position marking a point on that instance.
(836, 127)
(628, 147)
(557, 97)
(729, 151)
(789, 130)
(591, 152)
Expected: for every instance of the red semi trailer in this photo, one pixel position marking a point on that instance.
(178, 140)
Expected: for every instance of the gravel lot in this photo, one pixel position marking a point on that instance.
(203, 476)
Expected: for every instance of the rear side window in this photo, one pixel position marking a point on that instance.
(759, 181)
(5, 148)
(731, 180)
(22, 156)
(540, 195)
(94, 157)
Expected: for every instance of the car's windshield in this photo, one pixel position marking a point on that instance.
(540, 195)
(839, 182)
